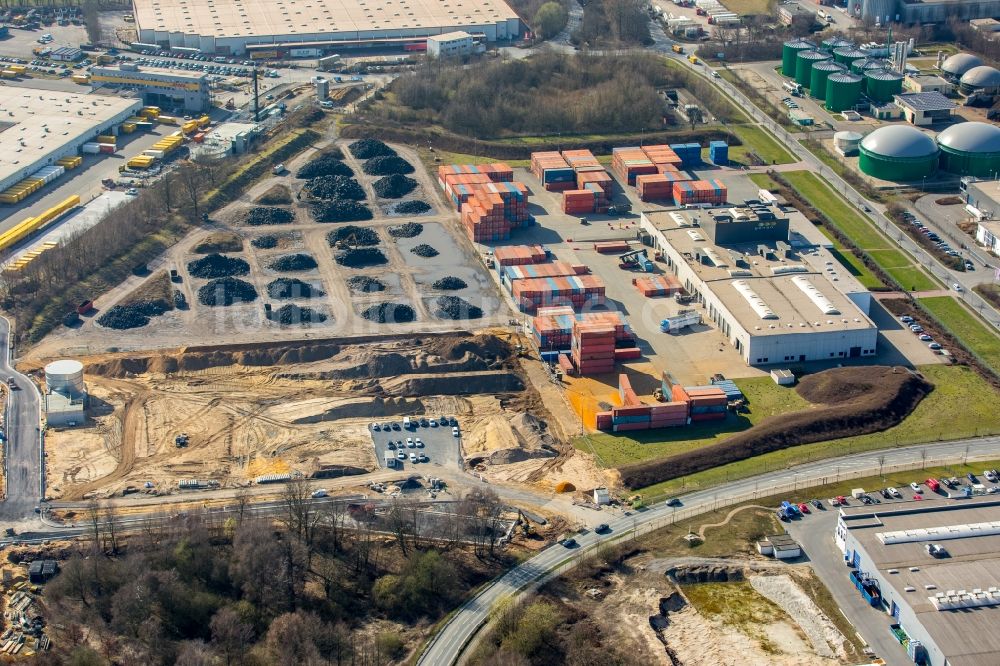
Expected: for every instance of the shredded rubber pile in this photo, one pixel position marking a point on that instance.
(226, 291)
(387, 165)
(360, 256)
(132, 315)
(335, 187)
(450, 283)
(365, 149)
(293, 262)
(324, 165)
(341, 210)
(453, 307)
(265, 242)
(425, 250)
(363, 283)
(266, 215)
(292, 288)
(412, 207)
(217, 265)
(389, 313)
(408, 230)
(395, 186)
(353, 235)
(294, 314)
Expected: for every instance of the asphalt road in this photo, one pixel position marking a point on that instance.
(448, 645)
(22, 450)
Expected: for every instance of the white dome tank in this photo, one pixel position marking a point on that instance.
(65, 376)
(847, 142)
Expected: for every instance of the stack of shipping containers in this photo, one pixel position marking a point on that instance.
(718, 153)
(552, 328)
(707, 403)
(555, 174)
(630, 162)
(511, 274)
(668, 414)
(593, 348)
(689, 153)
(657, 285)
(490, 202)
(576, 202)
(700, 191)
(519, 255)
(655, 186)
(663, 156)
(575, 290)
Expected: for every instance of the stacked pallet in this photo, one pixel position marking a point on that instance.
(706, 403)
(555, 174)
(657, 285)
(654, 187)
(700, 191)
(593, 348)
(576, 290)
(519, 255)
(662, 155)
(630, 162)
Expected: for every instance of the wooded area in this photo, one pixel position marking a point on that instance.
(613, 23)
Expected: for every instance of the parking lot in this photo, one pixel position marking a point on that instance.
(437, 443)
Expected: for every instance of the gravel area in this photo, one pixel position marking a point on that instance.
(817, 627)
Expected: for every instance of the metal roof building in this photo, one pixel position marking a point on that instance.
(229, 26)
(898, 153)
(925, 108)
(949, 606)
(971, 149)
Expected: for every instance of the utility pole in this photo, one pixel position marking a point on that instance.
(256, 96)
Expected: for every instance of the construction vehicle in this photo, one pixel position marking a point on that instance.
(677, 48)
(635, 260)
(619, 208)
(231, 104)
(181, 440)
(347, 243)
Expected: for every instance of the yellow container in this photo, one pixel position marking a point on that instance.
(8, 74)
(167, 120)
(81, 79)
(204, 121)
(20, 69)
(107, 138)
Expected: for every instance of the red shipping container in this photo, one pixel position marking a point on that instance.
(607, 247)
(625, 427)
(627, 353)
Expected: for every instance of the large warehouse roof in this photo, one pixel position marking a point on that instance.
(252, 18)
(899, 141)
(960, 63)
(34, 123)
(971, 137)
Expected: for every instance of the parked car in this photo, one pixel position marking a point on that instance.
(925, 338)
(568, 542)
(895, 493)
(916, 487)
(906, 319)
(673, 501)
(816, 503)
(804, 508)
(413, 457)
(934, 345)
(419, 443)
(434, 423)
(602, 528)
(454, 432)
(409, 442)
(885, 493)
(990, 476)
(972, 477)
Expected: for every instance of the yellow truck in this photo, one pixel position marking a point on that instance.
(693, 59)
(677, 48)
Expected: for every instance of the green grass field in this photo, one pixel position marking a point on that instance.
(964, 325)
(860, 230)
(761, 142)
(957, 391)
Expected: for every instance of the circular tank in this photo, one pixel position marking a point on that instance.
(982, 77)
(789, 53)
(848, 54)
(322, 88)
(958, 64)
(898, 153)
(65, 376)
(847, 142)
(831, 43)
(862, 65)
(970, 149)
(842, 91)
(817, 79)
(882, 84)
(803, 65)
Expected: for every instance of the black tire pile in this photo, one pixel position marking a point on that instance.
(217, 265)
(293, 262)
(292, 288)
(324, 165)
(408, 230)
(341, 210)
(412, 207)
(360, 256)
(335, 187)
(354, 235)
(387, 165)
(293, 314)
(132, 315)
(365, 149)
(450, 283)
(263, 215)
(266, 242)
(395, 186)
(424, 250)
(453, 307)
(365, 284)
(389, 313)
(180, 300)
(226, 291)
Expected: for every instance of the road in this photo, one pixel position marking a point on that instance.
(22, 446)
(448, 645)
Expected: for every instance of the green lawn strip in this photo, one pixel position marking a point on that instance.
(761, 142)
(957, 390)
(964, 325)
(765, 399)
(765, 181)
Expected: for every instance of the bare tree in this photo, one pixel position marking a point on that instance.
(111, 525)
(231, 636)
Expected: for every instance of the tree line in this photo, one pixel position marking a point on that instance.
(613, 23)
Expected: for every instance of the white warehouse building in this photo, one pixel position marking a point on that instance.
(777, 296)
(230, 26)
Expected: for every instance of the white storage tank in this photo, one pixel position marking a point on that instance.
(322, 88)
(846, 143)
(65, 376)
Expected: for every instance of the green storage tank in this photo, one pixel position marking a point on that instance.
(789, 53)
(898, 153)
(847, 55)
(862, 65)
(842, 91)
(971, 149)
(820, 72)
(832, 43)
(803, 65)
(882, 84)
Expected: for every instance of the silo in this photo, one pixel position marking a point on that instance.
(971, 149)
(789, 53)
(849, 54)
(898, 153)
(878, 11)
(882, 84)
(842, 91)
(65, 376)
(831, 43)
(803, 65)
(820, 72)
(322, 88)
(846, 143)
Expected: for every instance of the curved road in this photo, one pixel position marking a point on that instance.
(22, 443)
(449, 644)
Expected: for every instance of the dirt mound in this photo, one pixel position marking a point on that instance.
(352, 234)
(276, 195)
(365, 407)
(292, 288)
(226, 291)
(365, 284)
(450, 283)
(378, 365)
(484, 346)
(192, 360)
(412, 207)
(294, 314)
(217, 265)
(324, 165)
(389, 313)
(263, 215)
(341, 210)
(357, 257)
(453, 307)
(223, 241)
(132, 315)
(365, 149)
(408, 230)
(896, 392)
(395, 186)
(387, 165)
(335, 187)
(424, 250)
(293, 262)
(840, 385)
(461, 384)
